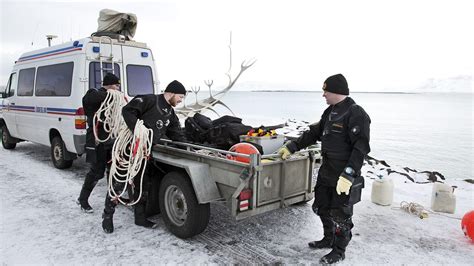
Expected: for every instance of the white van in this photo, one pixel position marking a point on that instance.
(42, 101)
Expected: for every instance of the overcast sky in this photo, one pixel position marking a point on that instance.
(377, 45)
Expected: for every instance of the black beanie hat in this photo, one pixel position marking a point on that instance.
(336, 84)
(176, 87)
(110, 79)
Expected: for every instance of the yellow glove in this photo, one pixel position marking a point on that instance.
(343, 186)
(284, 152)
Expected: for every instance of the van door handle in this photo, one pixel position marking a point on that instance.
(12, 103)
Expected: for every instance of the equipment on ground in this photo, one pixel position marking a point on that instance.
(414, 208)
(467, 225)
(442, 198)
(382, 191)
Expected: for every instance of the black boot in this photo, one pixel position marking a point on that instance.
(108, 222)
(108, 215)
(323, 243)
(328, 239)
(85, 207)
(140, 216)
(87, 187)
(342, 237)
(334, 256)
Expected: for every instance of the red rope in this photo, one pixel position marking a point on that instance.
(134, 152)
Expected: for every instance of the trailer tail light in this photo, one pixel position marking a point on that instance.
(244, 199)
(245, 194)
(80, 119)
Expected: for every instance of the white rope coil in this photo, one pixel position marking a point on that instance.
(130, 150)
(130, 154)
(414, 208)
(110, 115)
(420, 211)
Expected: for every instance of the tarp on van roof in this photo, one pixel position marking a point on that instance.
(116, 22)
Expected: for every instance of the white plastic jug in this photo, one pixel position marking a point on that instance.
(382, 191)
(442, 198)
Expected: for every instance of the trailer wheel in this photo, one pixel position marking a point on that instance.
(181, 212)
(7, 142)
(58, 153)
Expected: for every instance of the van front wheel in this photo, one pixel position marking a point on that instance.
(7, 142)
(58, 153)
(181, 212)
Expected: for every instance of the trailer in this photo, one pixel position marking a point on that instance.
(196, 176)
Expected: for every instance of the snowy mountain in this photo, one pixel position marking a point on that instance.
(459, 84)
(272, 86)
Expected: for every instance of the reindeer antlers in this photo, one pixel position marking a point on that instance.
(213, 100)
(209, 84)
(244, 66)
(247, 63)
(196, 89)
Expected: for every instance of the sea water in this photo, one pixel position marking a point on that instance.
(423, 131)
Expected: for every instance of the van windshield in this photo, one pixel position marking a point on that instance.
(139, 80)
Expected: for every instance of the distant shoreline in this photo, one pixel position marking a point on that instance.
(365, 92)
(377, 92)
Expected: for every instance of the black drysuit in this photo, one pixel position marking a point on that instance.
(344, 132)
(98, 155)
(157, 114)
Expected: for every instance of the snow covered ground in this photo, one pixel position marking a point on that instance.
(41, 224)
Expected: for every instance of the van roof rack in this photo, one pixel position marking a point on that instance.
(112, 35)
(132, 43)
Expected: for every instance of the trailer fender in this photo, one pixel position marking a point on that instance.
(204, 186)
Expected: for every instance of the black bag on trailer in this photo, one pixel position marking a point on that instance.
(196, 128)
(224, 135)
(193, 131)
(226, 119)
(203, 121)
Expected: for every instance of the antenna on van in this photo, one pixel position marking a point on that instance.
(34, 34)
(49, 38)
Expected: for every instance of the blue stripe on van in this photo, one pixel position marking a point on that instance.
(48, 53)
(60, 111)
(22, 108)
(53, 109)
(37, 109)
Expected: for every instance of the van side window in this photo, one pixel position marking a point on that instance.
(139, 80)
(94, 73)
(26, 81)
(54, 80)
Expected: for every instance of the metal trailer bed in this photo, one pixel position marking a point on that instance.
(198, 175)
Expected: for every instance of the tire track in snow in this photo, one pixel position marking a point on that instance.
(255, 240)
(229, 247)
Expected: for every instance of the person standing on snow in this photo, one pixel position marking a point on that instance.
(157, 114)
(344, 132)
(97, 154)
